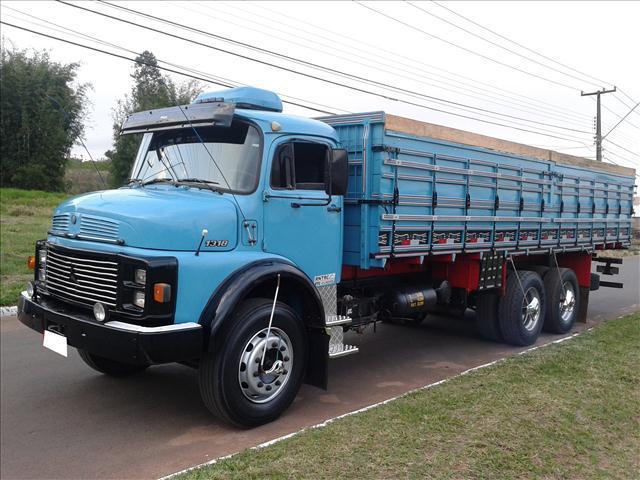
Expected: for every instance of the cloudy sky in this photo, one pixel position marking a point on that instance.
(516, 68)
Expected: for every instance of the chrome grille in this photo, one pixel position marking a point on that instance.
(60, 222)
(95, 227)
(77, 277)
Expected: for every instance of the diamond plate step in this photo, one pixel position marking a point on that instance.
(342, 351)
(337, 347)
(334, 320)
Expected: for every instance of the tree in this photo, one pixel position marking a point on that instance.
(42, 109)
(151, 89)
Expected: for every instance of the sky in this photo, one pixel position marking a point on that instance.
(423, 53)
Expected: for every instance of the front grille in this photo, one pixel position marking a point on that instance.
(95, 227)
(60, 222)
(80, 277)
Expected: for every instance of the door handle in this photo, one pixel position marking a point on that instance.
(334, 208)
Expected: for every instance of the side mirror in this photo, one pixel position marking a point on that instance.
(338, 172)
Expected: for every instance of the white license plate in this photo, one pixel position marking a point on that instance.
(56, 342)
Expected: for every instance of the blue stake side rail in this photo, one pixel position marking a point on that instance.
(413, 195)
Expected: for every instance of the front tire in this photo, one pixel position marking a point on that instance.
(235, 384)
(522, 308)
(108, 366)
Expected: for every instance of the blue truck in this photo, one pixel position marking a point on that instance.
(248, 241)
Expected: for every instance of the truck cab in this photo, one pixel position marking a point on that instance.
(231, 220)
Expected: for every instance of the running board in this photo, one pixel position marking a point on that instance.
(343, 351)
(335, 320)
(337, 347)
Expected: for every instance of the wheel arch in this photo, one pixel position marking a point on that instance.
(258, 280)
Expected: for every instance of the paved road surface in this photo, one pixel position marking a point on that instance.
(59, 419)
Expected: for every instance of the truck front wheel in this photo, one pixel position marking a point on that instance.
(522, 308)
(251, 378)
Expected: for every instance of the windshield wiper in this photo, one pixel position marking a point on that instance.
(207, 183)
(198, 180)
(158, 180)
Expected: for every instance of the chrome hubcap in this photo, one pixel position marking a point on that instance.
(568, 303)
(263, 381)
(531, 309)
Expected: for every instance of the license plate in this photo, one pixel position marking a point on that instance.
(55, 342)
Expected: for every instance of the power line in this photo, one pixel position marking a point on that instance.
(142, 63)
(378, 61)
(622, 148)
(453, 24)
(211, 78)
(626, 95)
(468, 50)
(621, 120)
(226, 85)
(304, 62)
(563, 111)
(599, 82)
(355, 88)
(305, 74)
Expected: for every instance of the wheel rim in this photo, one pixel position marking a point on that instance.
(262, 383)
(531, 309)
(568, 302)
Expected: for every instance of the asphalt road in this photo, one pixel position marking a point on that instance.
(59, 419)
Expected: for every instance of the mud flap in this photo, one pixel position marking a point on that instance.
(318, 362)
(584, 304)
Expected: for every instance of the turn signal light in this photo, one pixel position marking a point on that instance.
(162, 292)
(31, 262)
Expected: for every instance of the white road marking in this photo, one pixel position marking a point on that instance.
(369, 407)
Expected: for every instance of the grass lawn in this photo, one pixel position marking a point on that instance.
(570, 410)
(25, 216)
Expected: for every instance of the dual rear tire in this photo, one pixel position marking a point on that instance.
(542, 298)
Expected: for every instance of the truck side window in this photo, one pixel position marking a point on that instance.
(300, 165)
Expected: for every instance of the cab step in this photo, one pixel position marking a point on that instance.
(337, 347)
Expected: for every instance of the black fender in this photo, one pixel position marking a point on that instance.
(258, 279)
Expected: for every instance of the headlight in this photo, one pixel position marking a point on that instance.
(138, 298)
(41, 274)
(140, 276)
(42, 256)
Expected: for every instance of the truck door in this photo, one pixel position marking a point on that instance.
(301, 222)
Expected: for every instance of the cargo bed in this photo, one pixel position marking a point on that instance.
(418, 189)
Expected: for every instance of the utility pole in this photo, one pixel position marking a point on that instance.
(598, 120)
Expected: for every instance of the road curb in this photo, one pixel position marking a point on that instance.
(8, 311)
(384, 402)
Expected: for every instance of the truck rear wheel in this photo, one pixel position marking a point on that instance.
(108, 366)
(563, 300)
(236, 384)
(522, 308)
(487, 322)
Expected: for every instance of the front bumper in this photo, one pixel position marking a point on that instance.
(123, 342)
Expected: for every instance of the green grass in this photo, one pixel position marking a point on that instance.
(81, 177)
(570, 410)
(25, 216)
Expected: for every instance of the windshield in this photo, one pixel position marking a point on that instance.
(226, 157)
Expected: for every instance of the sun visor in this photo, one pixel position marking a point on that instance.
(185, 116)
